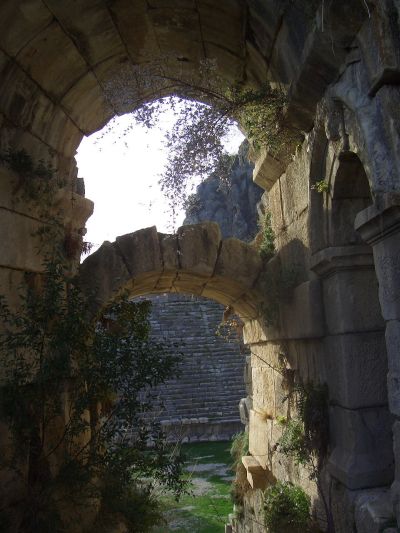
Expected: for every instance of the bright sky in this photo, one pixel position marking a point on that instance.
(121, 173)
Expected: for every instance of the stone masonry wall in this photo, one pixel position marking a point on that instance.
(202, 402)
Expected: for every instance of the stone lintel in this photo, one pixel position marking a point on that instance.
(257, 476)
(379, 225)
(380, 220)
(267, 170)
(336, 258)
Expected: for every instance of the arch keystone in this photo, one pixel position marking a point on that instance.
(198, 246)
(141, 251)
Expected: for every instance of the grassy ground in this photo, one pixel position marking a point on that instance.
(206, 509)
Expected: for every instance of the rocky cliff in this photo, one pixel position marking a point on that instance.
(233, 204)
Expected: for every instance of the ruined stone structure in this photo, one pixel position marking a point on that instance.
(201, 403)
(68, 67)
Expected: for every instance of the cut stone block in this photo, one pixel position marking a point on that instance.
(141, 251)
(267, 170)
(238, 261)
(103, 274)
(351, 301)
(257, 476)
(379, 226)
(258, 438)
(356, 369)
(373, 511)
(303, 316)
(362, 455)
(198, 246)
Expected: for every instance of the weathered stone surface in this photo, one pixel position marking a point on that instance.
(103, 274)
(20, 23)
(253, 332)
(91, 28)
(169, 252)
(338, 258)
(373, 511)
(267, 170)
(348, 305)
(247, 375)
(16, 228)
(257, 476)
(47, 45)
(392, 336)
(141, 251)
(362, 453)
(245, 270)
(303, 315)
(247, 306)
(387, 261)
(226, 290)
(83, 113)
(198, 248)
(258, 444)
(189, 283)
(382, 63)
(73, 208)
(294, 187)
(263, 391)
(183, 263)
(356, 368)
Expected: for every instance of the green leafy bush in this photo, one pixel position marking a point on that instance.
(74, 398)
(239, 447)
(267, 246)
(293, 442)
(286, 508)
(240, 485)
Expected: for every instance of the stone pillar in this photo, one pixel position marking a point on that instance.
(379, 226)
(355, 368)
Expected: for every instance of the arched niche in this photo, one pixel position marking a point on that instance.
(350, 194)
(355, 352)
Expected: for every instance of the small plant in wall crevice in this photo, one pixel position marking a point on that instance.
(36, 181)
(321, 186)
(240, 485)
(305, 438)
(267, 245)
(286, 508)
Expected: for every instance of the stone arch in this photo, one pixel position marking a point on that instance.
(195, 260)
(50, 104)
(350, 194)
